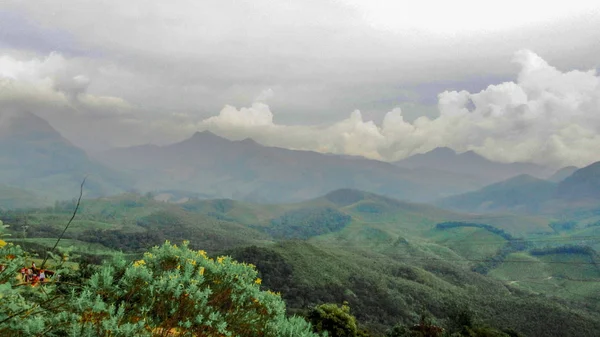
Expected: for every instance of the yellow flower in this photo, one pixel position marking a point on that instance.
(201, 271)
(272, 293)
(220, 259)
(202, 253)
(258, 281)
(139, 263)
(148, 255)
(2, 243)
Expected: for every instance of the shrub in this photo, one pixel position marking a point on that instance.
(172, 291)
(336, 321)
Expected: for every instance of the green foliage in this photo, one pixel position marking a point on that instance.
(512, 245)
(172, 290)
(308, 222)
(333, 319)
(565, 249)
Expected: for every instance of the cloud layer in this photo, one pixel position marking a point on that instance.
(546, 116)
(322, 58)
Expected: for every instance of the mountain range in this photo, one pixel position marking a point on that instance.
(246, 170)
(36, 158)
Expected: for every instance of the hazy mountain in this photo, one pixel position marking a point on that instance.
(246, 170)
(469, 163)
(523, 194)
(563, 173)
(582, 184)
(35, 157)
(526, 194)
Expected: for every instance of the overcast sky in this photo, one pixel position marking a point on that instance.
(511, 80)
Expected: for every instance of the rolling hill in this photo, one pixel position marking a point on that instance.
(521, 194)
(391, 260)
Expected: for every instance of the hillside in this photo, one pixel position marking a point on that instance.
(583, 183)
(12, 198)
(246, 170)
(572, 197)
(389, 259)
(562, 174)
(521, 194)
(36, 158)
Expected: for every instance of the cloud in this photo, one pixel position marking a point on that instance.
(53, 88)
(322, 58)
(265, 95)
(547, 116)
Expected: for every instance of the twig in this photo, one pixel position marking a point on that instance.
(68, 223)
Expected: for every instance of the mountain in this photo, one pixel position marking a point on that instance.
(576, 195)
(469, 163)
(245, 170)
(522, 194)
(36, 158)
(562, 174)
(582, 184)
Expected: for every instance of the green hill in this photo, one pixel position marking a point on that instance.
(391, 260)
(521, 194)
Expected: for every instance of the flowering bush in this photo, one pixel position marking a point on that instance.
(172, 291)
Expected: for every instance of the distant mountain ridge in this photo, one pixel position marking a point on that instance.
(523, 194)
(583, 183)
(563, 173)
(470, 163)
(527, 194)
(36, 158)
(246, 170)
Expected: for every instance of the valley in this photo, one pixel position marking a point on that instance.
(390, 260)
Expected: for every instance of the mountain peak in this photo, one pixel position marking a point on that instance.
(442, 151)
(203, 134)
(248, 141)
(24, 123)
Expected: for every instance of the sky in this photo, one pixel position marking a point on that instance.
(510, 80)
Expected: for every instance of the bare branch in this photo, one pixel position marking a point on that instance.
(68, 223)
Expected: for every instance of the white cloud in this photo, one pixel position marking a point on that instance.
(546, 116)
(265, 95)
(52, 88)
(323, 58)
